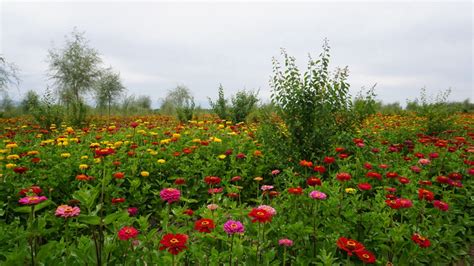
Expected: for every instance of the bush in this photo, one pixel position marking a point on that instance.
(315, 105)
(437, 113)
(242, 104)
(220, 106)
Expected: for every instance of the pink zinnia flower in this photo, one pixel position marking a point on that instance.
(212, 207)
(285, 242)
(32, 200)
(66, 211)
(266, 187)
(275, 172)
(170, 195)
(233, 227)
(424, 161)
(317, 195)
(267, 208)
(215, 190)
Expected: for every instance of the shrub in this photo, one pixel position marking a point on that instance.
(315, 105)
(437, 113)
(220, 106)
(242, 104)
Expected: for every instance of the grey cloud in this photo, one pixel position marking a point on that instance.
(156, 46)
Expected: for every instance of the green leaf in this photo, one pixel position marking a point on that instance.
(94, 220)
(114, 216)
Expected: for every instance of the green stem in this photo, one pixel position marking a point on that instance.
(231, 245)
(33, 237)
(284, 256)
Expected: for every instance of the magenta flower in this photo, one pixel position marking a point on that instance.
(317, 195)
(32, 200)
(132, 211)
(170, 195)
(233, 227)
(275, 172)
(66, 211)
(285, 242)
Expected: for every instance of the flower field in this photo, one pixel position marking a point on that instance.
(150, 191)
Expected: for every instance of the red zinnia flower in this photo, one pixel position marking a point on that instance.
(212, 180)
(36, 190)
(174, 243)
(366, 256)
(364, 186)
(421, 241)
(349, 245)
(320, 169)
(119, 175)
(391, 175)
(295, 190)
(189, 212)
(368, 166)
(118, 200)
(374, 175)
(403, 180)
(443, 179)
(204, 225)
(20, 169)
(443, 206)
(313, 181)
(329, 160)
(425, 194)
(104, 152)
(260, 215)
(179, 181)
(127, 232)
(305, 163)
(343, 176)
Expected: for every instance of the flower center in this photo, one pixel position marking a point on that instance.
(422, 238)
(260, 213)
(351, 243)
(174, 241)
(205, 223)
(128, 231)
(233, 226)
(68, 210)
(366, 256)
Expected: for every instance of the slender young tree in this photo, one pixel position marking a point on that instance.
(108, 89)
(74, 69)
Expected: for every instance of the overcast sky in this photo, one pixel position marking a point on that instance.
(401, 46)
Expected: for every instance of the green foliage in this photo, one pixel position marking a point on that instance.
(131, 105)
(436, 111)
(30, 102)
(75, 70)
(315, 105)
(179, 102)
(220, 107)
(7, 106)
(364, 105)
(242, 105)
(108, 89)
(48, 112)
